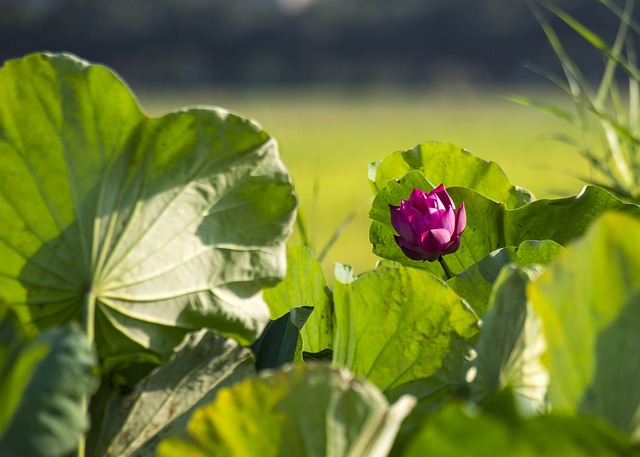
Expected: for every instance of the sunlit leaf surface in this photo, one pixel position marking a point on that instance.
(305, 285)
(395, 325)
(451, 165)
(302, 411)
(502, 432)
(491, 225)
(589, 303)
(151, 226)
(510, 345)
(476, 282)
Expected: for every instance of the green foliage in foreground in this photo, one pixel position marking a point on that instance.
(597, 308)
(43, 385)
(500, 431)
(312, 411)
(133, 423)
(135, 251)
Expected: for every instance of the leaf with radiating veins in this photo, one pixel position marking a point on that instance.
(133, 423)
(396, 325)
(158, 226)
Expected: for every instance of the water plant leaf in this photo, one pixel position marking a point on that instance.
(280, 342)
(395, 325)
(448, 383)
(589, 303)
(43, 385)
(475, 284)
(447, 163)
(490, 225)
(312, 410)
(152, 227)
(134, 422)
(304, 285)
(510, 345)
(501, 432)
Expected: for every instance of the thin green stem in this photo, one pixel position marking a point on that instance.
(89, 315)
(81, 447)
(445, 267)
(88, 325)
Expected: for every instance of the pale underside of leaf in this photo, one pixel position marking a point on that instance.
(174, 223)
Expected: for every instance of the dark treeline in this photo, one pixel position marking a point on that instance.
(333, 41)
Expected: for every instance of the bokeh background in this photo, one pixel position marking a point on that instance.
(339, 83)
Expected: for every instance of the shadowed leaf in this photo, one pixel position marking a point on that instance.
(43, 386)
(133, 423)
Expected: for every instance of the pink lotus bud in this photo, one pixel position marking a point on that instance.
(428, 224)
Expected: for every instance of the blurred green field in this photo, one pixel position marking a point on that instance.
(327, 138)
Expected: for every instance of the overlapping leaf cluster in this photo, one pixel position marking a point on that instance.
(133, 319)
(523, 352)
(121, 237)
(549, 314)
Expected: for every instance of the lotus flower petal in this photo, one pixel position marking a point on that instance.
(443, 196)
(461, 219)
(428, 224)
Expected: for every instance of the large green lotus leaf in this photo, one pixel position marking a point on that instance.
(476, 282)
(134, 422)
(450, 164)
(396, 325)
(490, 225)
(589, 302)
(44, 383)
(305, 285)
(510, 345)
(501, 432)
(154, 226)
(312, 410)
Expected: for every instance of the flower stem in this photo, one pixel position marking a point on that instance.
(88, 325)
(445, 267)
(89, 315)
